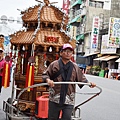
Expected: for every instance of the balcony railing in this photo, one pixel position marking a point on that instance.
(80, 30)
(79, 12)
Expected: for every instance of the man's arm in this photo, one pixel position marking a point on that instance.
(46, 76)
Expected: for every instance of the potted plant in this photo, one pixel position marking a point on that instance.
(95, 70)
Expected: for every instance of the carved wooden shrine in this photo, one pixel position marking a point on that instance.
(43, 37)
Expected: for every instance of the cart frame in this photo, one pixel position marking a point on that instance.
(9, 109)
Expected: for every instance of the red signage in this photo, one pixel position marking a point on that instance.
(95, 32)
(51, 39)
(66, 4)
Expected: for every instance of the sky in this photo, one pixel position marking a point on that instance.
(12, 8)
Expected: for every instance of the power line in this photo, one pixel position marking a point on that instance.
(4, 19)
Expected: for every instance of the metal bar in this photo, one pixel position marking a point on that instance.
(42, 84)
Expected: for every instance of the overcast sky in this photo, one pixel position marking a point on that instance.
(9, 9)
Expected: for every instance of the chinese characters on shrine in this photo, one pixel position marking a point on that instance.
(51, 39)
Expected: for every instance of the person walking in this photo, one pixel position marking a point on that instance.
(2, 61)
(62, 97)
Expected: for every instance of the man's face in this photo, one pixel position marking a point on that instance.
(66, 54)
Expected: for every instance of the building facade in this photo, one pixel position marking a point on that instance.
(90, 21)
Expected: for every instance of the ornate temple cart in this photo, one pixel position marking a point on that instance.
(33, 49)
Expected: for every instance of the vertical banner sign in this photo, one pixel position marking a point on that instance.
(87, 3)
(95, 32)
(114, 32)
(66, 4)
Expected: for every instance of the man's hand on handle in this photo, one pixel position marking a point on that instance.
(50, 82)
(92, 85)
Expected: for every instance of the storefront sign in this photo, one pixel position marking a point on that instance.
(95, 32)
(104, 48)
(114, 32)
(66, 4)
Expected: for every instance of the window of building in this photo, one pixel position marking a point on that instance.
(96, 4)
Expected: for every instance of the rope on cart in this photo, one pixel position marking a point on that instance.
(43, 84)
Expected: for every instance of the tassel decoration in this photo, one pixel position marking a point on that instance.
(6, 75)
(25, 54)
(30, 75)
(57, 56)
(44, 55)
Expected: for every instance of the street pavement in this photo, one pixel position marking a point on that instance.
(106, 106)
(103, 107)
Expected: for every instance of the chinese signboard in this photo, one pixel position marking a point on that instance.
(106, 49)
(114, 32)
(66, 4)
(51, 39)
(95, 32)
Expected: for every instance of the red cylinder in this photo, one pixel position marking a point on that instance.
(41, 109)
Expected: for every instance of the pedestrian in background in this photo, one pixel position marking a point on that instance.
(2, 61)
(62, 97)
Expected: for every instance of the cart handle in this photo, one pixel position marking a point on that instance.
(43, 84)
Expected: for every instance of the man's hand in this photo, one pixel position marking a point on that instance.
(50, 82)
(92, 85)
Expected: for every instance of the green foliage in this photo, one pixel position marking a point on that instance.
(96, 68)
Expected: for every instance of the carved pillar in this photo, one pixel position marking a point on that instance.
(36, 65)
(19, 60)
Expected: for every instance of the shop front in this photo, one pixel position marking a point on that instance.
(108, 62)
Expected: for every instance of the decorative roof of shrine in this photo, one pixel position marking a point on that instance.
(50, 38)
(30, 14)
(42, 38)
(22, 37)
(47, 14)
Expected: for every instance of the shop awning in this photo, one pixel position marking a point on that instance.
(118, 60)
(86, 55)
(106, 58)
(77, 2)
(78, 37)
(76, 19)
